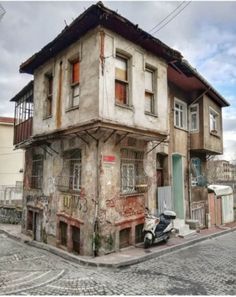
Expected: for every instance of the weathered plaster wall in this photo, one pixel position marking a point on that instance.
(116, 210)
(138, 58)
(87, 50)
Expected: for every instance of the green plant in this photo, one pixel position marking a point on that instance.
(96, 243)
(110, 242)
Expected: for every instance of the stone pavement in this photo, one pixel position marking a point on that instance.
(206, 268)
(127, 256)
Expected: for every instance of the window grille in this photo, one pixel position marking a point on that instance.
(70, 180)
(37, 172)
(133, 178)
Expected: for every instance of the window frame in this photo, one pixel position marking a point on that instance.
(49, 94)
(37, 166)
(68, 182)
(74, 84)
(122, 81)
(184, 114)
(150, 92)
(136, 183)
(191, 129)
(216, 129)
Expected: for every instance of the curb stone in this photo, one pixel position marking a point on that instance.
(87, 262)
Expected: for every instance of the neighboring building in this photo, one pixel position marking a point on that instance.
(112, 111)
(221, 171)
(11, 165)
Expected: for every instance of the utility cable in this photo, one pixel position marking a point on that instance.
(160, 23)
(172, 18)
(167, 16)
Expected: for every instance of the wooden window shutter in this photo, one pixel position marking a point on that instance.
(75, 72)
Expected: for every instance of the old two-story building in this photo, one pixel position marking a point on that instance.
(112, 115)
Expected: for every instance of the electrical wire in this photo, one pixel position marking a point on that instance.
(172, 18)
(167, 16)
(130, 46)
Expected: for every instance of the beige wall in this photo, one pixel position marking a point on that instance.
(138, 58)
(97, 93)
(87, 49)
(11, 161)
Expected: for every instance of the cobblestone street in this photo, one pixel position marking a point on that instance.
(208, 268)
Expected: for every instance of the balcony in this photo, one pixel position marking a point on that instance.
(23, 114)
(23, 131)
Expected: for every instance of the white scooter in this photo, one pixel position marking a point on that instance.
(157, 229)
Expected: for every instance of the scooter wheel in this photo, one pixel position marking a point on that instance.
(147, 243)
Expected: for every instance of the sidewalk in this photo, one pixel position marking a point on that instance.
(127, 256)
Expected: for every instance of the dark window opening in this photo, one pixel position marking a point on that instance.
(30, 220)
(63, 231)
(76, 239)
(139, 233)
(125, 237)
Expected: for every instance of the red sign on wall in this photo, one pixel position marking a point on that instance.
(109, 159)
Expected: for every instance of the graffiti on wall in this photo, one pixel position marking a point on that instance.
(37, 200)
(127, 206)
(74, 202)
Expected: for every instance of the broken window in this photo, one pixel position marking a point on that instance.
(121, 79)
(149, 90)
(37, 172)
(180, 115)
(71, 173)
(49, 94)
(133, 178)
(75, 83)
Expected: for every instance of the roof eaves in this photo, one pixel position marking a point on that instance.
(195, 73)
(24, 90)
(95, 15)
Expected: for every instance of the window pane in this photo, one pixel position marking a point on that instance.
(193, 121)
(148, 102)
(176, 118)
(75, 72)
(121, 68)
(149, 81)
(121, 92)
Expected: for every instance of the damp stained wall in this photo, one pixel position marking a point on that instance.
(134, 114)
(87, 50)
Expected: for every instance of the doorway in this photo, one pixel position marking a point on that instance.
(37, 226)
(76, 239)
(178, 185)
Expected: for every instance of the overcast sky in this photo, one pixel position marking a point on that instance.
(204, 32)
